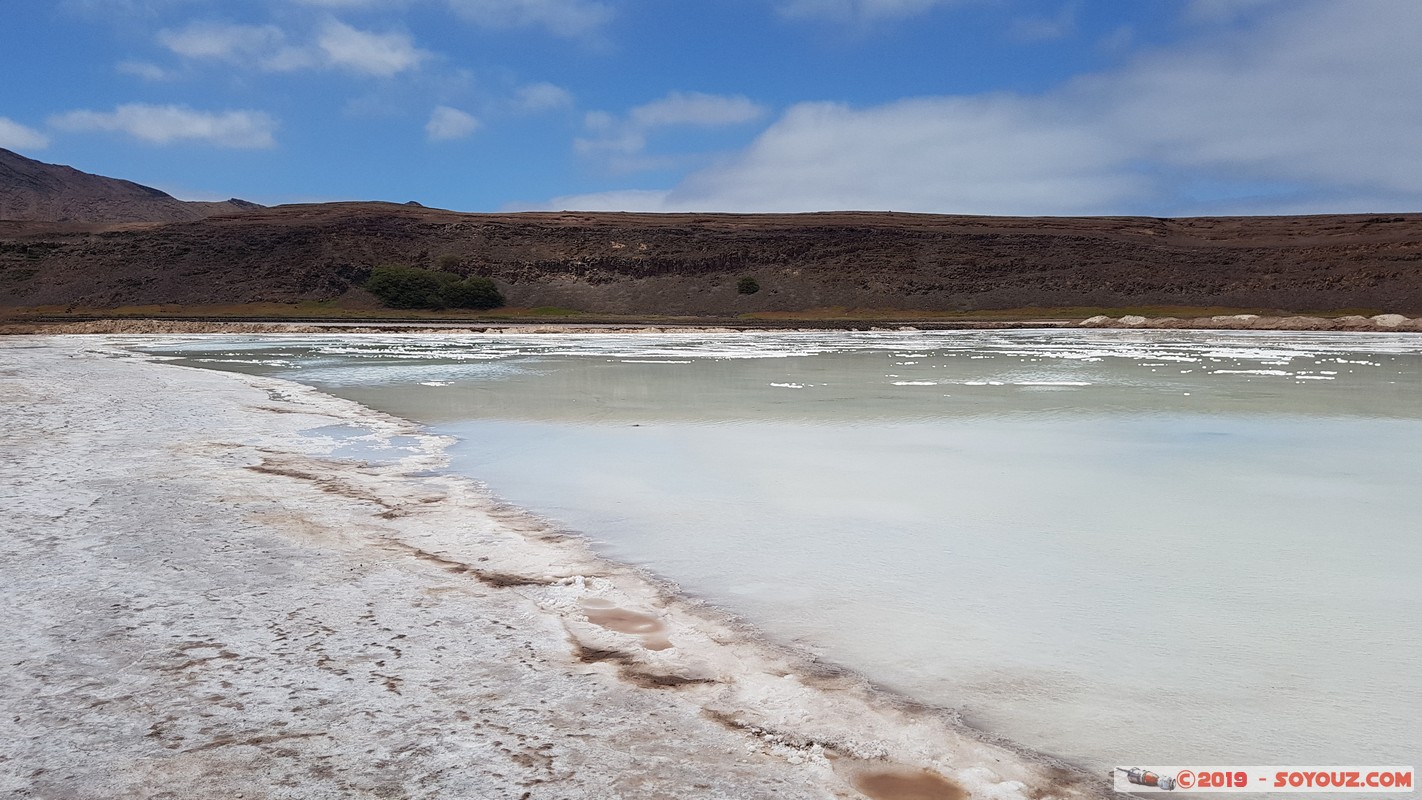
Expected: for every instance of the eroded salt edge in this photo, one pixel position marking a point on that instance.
(792, 706)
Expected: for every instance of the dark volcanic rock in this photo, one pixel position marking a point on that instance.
(38, 192)
(690, 263)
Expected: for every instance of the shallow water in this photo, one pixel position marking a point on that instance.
(1114, 546)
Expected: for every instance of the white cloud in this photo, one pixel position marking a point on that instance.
(350, 3)
(1318, 94)
(14, 136)
(542, 97)
(142, 69)
(569, 18)
(221, 40)
(124, 10)
(856, 10)
(450, 123)
(695, 108)
(263, 47)
(992, 155)
(1310, 104)
(381, 54)
(624, 200)
(269, 48)
(168, 124)
(1224, 11)
(628, 136)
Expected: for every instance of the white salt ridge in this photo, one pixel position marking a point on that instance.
(1053, 383)
(1155, 346)
(267, 362)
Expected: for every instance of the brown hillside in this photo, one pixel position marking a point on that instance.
(689, 263)
(38, 192)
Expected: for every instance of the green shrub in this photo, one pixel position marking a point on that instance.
(411, 287)
(472, 292)
(406, 287)
(747, 285)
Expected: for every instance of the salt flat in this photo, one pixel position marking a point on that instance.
(204, 601)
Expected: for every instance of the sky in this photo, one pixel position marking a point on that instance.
(1031, 107)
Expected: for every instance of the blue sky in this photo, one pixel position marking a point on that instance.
(954, 106)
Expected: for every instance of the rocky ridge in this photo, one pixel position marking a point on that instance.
(34, 191)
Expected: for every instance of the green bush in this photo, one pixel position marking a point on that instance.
(411, 287)
(472, 292)
(406, 287)
(747, 285)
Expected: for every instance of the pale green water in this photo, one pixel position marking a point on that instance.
(1169, 547)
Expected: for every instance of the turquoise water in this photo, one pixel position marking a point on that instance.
(1114, 546)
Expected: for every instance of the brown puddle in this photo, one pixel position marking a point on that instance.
(908, 786)
(622, 620)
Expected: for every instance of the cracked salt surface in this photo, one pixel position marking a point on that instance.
(205, 599)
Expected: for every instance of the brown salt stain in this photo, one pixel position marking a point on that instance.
(252, 741)
(1056, 780)
(498, 580)
(593, 655)
(651, 680)
(277, 410)
(904, 785)
(650, 629)
(624, 621)
(326, 483)
(626, 670)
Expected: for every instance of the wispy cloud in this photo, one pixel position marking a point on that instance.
(627, 136)
(14, 136)
(974, 155)
(541, 97)
(617, 200)
(450, 123)
(857, 11)
(170, 124)
(695, 108)
(568, 18)
(221, 40)
(1309, 97)
(269, 48)
(1225, 11)
(381, 54)
(142, 69)
(350, 3)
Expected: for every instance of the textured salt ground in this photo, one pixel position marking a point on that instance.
(202, 601)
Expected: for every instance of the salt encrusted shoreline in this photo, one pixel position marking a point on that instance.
(1384, 323)
(1387, 323)
(204, 602)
